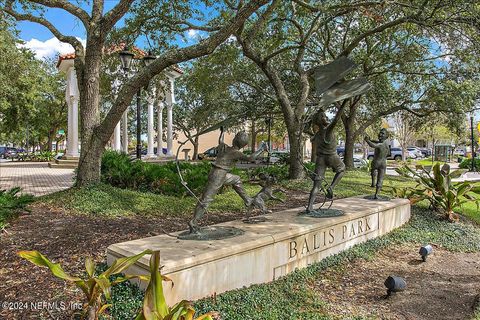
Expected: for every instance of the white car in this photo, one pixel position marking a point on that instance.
(358, 162)
(416, 151)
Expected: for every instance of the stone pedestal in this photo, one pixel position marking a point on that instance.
(266, 251)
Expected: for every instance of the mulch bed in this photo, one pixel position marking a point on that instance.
(446, 286)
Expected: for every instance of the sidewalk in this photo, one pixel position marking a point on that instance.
(34, 177)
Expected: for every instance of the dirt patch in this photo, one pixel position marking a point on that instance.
(444, 287)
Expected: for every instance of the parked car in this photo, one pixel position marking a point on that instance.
(426, 152)
(418, 153)
(395, 154)
(459, 152)
(358, 162)
(7, 152)
(341, 151)
(210, 154)
(279, 156)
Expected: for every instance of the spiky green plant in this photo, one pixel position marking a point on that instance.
(436, 185)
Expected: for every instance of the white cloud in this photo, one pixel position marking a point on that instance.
(192, 34)
(49, 48)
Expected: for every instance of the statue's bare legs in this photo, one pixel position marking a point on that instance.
(217, 179)
(381, 175)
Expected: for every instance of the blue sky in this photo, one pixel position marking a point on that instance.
(40, 40)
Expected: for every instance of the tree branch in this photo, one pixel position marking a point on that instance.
(169, 58)
(67, 6)
(74, 42)
(109, 20)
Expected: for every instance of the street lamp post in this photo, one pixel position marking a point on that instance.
(268, 121)
(473, 143)
(126, 59)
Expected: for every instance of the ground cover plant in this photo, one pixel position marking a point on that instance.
(295, 294)
(12, 202)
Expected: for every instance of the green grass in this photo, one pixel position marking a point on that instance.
(294, 296)
(106, 200)
(353, 183)
(427, 162)
(103, 199)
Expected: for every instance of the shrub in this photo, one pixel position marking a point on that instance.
(120, 171)
(12, 203)
(467, 164)
(435, 185)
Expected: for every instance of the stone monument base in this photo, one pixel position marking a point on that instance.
(66, 162)
(287, 240)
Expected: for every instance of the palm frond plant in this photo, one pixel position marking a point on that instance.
(436, 185)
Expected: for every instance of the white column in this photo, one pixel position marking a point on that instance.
(72, 97)
(169, 129)
(150, 101)
(170, 99)
(125, 131)
(74, 144)
(160, 129)
(117, 140)
(69, 128)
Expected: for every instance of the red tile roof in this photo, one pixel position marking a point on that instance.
(138, 54)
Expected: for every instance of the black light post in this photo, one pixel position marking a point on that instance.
(126, 60)
(268, 121)
(473, 143)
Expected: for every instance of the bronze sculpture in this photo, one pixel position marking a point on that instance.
(327, 157)
(379, 163)
(220, 174)
(266, 193)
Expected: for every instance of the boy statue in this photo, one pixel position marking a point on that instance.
(379, 163)
(327, 157)
(220, 174)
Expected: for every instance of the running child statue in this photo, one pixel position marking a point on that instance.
(379, 163)
(326, 151)
(220, 174)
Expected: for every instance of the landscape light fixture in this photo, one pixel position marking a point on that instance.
(425, 251)
(126, 58)
(395, 284)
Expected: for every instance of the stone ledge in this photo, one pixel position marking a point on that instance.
(266, 251)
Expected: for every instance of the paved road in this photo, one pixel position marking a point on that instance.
(34, 177)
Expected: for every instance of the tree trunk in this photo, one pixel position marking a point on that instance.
(349, 143)
(254, 136)
(195, 148)
(92, 144)
(296, 170)
(348, 121)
